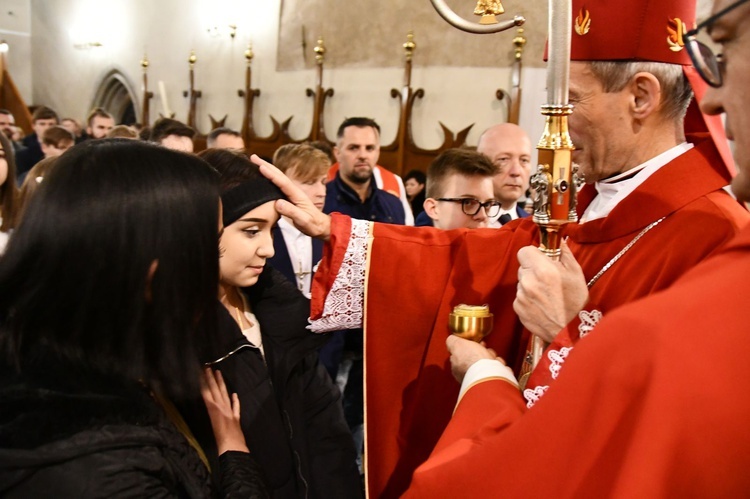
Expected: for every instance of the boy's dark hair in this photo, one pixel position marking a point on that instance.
(54, 135)
(44, 113)
(457, 161)
(222, 130)
(164, 127)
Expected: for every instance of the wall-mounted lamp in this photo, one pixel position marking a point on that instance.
(4, 47)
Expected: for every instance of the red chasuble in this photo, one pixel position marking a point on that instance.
(416, 276)
(698, 219)
(652, 404)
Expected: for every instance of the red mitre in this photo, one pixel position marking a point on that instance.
(645, 30)
(631, 30)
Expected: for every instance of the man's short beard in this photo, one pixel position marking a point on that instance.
(359, 178)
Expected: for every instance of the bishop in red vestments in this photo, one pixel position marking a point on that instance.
(652, 403)
(656, 208)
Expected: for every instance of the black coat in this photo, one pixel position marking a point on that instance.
(69, 434)
(291, 411)
(29, 156)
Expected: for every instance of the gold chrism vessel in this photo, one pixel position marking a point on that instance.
(472, 322)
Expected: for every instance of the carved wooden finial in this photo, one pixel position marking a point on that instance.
(519, 41)
(409, 45)
(320, 51)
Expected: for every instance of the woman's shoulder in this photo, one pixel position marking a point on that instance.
(79, 442)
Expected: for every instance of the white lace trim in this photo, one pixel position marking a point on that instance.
(557, 358)
(533, 396)
(344, 305)
(589, 320)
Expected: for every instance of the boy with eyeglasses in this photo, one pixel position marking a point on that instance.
(460, 191)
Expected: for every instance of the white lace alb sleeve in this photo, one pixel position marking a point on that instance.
(343, 308)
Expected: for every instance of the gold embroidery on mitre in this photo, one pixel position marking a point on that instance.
(583, 22)
(676, 30)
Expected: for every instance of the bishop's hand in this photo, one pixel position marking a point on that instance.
(550, 293)
(304, 215)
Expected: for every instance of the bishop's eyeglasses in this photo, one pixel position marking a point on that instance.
(709, 65)
(471, 206)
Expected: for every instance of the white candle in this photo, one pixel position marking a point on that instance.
(164, 103)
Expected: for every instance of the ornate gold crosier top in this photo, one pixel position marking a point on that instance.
(488, 9)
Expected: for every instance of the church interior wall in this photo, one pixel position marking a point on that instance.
(53, 61)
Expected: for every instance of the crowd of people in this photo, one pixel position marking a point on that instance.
(207, 324)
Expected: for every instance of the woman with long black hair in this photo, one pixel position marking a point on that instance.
(107, 294)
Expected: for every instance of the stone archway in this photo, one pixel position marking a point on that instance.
(116, 95)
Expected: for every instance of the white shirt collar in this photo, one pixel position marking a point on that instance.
(495, 222)
(299, 247)
(613, 190)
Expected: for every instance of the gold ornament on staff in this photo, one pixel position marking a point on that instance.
(472, 322)
(488, 9)
(484, 8)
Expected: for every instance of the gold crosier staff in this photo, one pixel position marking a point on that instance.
(554, 183)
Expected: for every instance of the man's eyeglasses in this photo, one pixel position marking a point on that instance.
(471, 206)
(709, 65)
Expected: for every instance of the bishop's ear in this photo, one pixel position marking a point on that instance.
(646, 91)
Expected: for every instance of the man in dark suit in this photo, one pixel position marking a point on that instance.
(42, 119)
(509, 147)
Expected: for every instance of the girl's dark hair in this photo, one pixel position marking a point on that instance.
(234, 167)
(243, 187)
(114, 266)
(8, 190)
